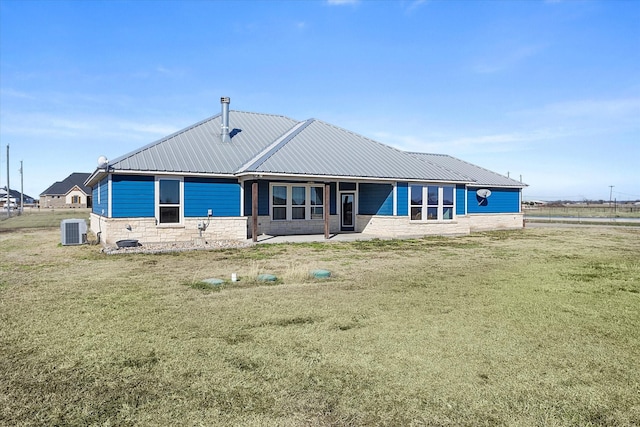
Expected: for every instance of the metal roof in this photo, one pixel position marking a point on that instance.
(272, 144)
(320, 148)
(199, 148)
(477, 175)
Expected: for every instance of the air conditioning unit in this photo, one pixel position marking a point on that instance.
(73, 231)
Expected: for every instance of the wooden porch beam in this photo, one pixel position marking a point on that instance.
(327, 196)
(254, 211)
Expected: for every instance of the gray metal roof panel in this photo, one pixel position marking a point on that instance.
(265, 143)
(324, 149)
(478, 175)
(199, 149)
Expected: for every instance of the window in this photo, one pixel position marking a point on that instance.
(436, 201)
(416, 202)
(279, 202)
(169, 200)
(317, 206)
(296, 202)
(75, 199)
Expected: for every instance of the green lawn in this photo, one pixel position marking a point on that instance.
(537, 327)
(40, 218)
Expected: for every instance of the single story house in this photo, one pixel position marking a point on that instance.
(71, 192)
(14, 199)
(240, 174)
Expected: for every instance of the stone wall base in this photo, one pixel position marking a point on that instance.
(145, 230)
(389, 226)
(239, 228)
(288, 228)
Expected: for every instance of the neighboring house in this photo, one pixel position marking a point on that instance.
(68, 193)
(15, 197)
(239, 174)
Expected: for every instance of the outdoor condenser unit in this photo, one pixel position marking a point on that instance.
(73, 231)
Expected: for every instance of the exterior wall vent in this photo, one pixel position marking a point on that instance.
(73, 231)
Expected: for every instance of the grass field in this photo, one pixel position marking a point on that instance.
(36, 218)
(585, 211)
(537, 327)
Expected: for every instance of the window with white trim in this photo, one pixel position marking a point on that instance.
(431, 202)
(169, 200)
(296, 202)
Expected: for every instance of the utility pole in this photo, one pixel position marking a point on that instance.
(21, 189)
(610, 193)
(8, 203)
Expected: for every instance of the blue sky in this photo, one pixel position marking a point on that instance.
(546, 90)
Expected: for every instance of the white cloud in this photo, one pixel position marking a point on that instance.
(511, 58)
(415, 5)
(342, 2)
(473, 142)
(16, 94)
(590, 108)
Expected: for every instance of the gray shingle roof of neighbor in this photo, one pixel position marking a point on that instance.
(273, 144)
(476, 174)
(63, 187)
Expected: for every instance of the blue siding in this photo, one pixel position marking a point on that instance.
(375, 199)
(402, 189)
(502, 200)
(333, 196)
(132, 196)
(263, 198)
(460, 195)
(101, 193)
(221, 195)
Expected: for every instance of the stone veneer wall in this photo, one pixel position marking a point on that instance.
(287, 228)
(234, 228)
(396, 226)
(390, 226)
(146, 230)
(488, 222)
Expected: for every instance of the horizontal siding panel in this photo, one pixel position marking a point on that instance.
(133, 196)
(375, 199)
(403, 198)
(220, 195)
(100, 200)
(460, 197)
(502, 200)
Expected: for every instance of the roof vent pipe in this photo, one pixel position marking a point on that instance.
(224, 132)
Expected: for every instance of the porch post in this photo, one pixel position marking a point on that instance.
(254, 211)
(327, 196)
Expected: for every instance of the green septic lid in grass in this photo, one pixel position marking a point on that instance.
(214, 282)
(321, 274)
(267, 278)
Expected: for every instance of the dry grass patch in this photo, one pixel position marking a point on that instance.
(533, 327)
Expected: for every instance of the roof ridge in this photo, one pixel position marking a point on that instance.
(396, 149)
(276, 145)
(514, 181)
(413, 154)
(163, 139)
(483, 168)
(186, 129)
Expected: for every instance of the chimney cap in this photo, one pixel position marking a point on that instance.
(225, 100)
